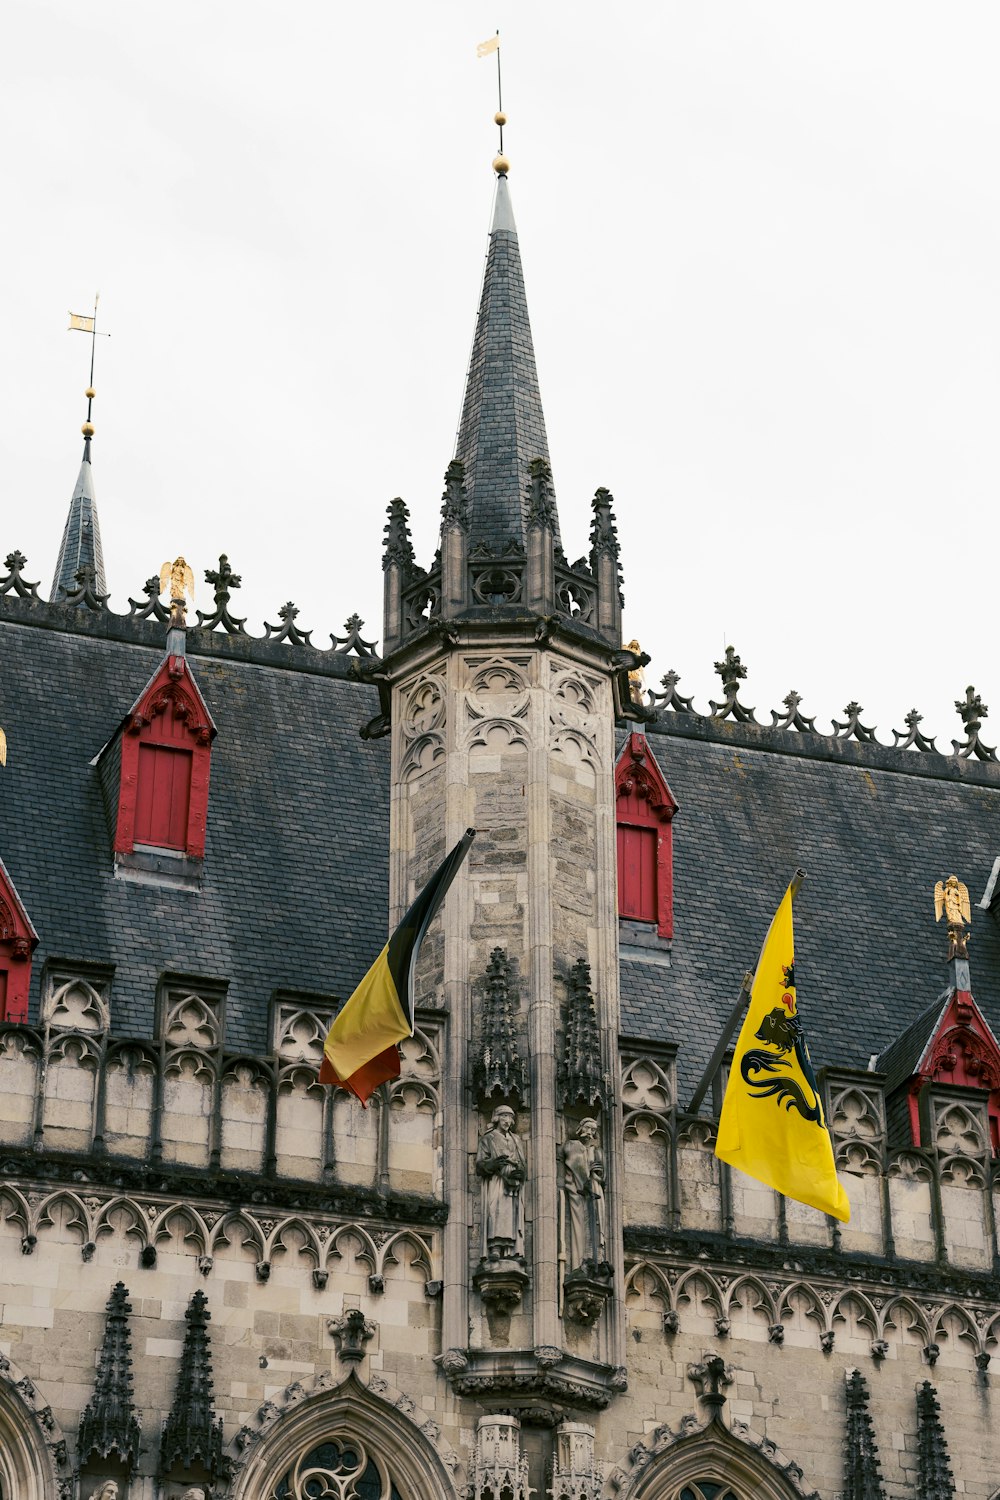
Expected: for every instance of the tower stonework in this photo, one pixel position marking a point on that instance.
(503, 690)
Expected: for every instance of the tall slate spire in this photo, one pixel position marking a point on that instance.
(502, 427)
(81, 542)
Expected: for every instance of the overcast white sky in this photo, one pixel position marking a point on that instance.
(762, 251)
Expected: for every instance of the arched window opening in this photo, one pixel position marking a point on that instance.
(338, 1466)
(707, 1489)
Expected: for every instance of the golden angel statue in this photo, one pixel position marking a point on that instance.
(636, 677)
(951, 901)
(177, 581)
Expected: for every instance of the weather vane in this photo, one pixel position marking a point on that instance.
(87, 323)
(500, 165)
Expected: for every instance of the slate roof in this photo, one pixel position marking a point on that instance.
(502, 426)
(81, 540)
(899, 1060)
(872, 828)
(295, 890)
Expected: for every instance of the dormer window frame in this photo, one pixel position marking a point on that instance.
(18, 941)
(158, 831)
(645, 806)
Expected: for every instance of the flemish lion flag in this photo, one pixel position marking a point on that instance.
(772, 1125)
(361, 1050)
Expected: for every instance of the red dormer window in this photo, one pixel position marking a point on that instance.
(646, 807)
(18, 939)
(963, 1053)
(166, 748)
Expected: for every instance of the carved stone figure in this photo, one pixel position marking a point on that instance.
(500, 1164)
(194, 1493)
(951, 901)
(583, 1198)
(106, 1491)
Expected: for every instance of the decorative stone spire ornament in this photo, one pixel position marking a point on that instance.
(192, 1434)
(109, 1424)
(582, 1075)
(152, 609)
(732, 671)
(287, 630)
(398, 547)
(935, 1481)
(852, 727)
(605, 564)
(972, 711)
(498, 1068)
(224, 580)
(670, 698)
(862, 1471)
(791, 718)
(15, 583)
(913, 739)
(87, 594)
(343, 645)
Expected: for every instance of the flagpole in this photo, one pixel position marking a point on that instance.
(732, 1021)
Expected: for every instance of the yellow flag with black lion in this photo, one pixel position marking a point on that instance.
(772, 1125)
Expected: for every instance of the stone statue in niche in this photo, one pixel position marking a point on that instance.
(585, 1233)
(501, 1166)
(106, 1491)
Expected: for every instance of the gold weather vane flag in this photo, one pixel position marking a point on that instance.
(772, 1124)
(81, 323)
(491, 45)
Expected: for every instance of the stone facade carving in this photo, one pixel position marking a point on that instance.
(501, 1166)
(588, 1272)
(499, 1468)
(574, 1473)
(583, 1197)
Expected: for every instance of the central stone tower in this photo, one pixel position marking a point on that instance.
(501, 685)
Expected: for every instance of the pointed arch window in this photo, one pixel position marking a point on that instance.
(646, 808)
(340, 1466)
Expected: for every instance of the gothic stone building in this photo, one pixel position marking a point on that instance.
(522, 1270)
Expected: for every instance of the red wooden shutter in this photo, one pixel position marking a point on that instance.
(163, 796)
(637, 873)
(3, 994)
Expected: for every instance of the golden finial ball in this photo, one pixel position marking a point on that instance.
(500, 118)
(90, 393)
(501, 166)
(87, 429)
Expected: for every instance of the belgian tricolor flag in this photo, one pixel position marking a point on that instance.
(361, 1050)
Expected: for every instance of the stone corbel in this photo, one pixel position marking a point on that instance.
(351, 1333)
(711, 1377)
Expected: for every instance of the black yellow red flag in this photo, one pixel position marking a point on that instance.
(361, 1050)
